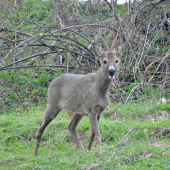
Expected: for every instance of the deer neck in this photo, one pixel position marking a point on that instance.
(102, 81)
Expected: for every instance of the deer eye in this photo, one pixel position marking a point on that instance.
(116, 61)
(105, 62)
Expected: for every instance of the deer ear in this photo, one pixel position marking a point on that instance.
(103, 56)
(101, 51)
(121, 50)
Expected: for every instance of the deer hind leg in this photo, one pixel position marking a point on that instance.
(72, 129)
(50, 114)
(95, 130)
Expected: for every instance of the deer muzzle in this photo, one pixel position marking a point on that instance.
(111, 72)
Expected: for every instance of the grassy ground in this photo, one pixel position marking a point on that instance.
(133, 137)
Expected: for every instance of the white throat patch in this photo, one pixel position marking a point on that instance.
(112, 77)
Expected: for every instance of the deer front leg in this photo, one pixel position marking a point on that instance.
(95, 130)
(72, 129)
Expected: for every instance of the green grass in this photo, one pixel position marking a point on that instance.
(125, 143)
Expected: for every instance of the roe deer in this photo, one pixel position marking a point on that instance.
(82, 95)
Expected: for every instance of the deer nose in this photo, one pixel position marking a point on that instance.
(111, 72)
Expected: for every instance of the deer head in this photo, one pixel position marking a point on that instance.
(110, 59)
